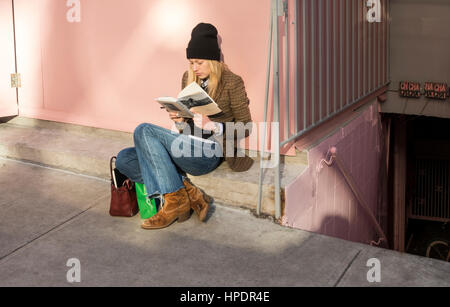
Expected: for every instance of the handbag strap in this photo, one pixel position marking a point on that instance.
(111, 165)
(128, 184)
(113, 175)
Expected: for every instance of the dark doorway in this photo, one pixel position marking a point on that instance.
(419, 185)
(428, 187)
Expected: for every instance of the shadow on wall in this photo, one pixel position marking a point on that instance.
(340, 227)
(334, 226)
(324, 199)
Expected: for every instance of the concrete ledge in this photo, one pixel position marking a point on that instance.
(68, 128)
(87, 150)
(241, 189)
(78, 149)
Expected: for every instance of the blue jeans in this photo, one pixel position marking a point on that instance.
(159, 162)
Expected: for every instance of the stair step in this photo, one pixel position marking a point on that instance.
(87, 150)
(241, 188)
(82, 150)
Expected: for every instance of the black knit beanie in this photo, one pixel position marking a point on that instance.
(203, 43)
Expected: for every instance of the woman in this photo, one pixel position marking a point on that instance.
(152, 160)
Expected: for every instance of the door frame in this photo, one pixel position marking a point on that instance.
(9, 110)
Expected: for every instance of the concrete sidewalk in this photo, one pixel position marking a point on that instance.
(48, 216)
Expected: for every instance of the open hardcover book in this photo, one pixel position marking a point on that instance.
(191, 99)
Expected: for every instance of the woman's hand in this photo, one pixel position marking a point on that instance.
(175, 117)
(198, 120)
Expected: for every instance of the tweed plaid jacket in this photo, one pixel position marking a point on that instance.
(232, 99)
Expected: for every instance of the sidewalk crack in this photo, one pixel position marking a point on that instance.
(94, 204)
(346, 269)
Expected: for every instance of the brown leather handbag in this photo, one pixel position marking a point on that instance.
(123, 194)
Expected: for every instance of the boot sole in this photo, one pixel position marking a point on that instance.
(181, 218)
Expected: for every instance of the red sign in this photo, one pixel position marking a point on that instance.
(431, 90)
(436, 90)
(410, 89)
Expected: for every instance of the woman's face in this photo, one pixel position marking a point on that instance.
(200, 68)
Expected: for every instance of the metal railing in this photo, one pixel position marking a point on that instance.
(348, 59)
(335, 159)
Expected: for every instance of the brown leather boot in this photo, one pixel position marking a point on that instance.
(199, 200)
(176, 207)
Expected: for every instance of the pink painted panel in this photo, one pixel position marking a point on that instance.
(339, 56)
(320, 200)
(317, 35)
(324, 64)
(345, 63)
(355, 52)
(309, 64)
(361, 57)
(8, 101)
(331, 43)
(302, 67)
(106, 70)
(367, 59)
(339, 59)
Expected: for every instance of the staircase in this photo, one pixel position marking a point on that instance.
(87, 150)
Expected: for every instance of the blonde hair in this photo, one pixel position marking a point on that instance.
(215, 76)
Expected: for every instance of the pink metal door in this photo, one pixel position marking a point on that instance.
(8, 95)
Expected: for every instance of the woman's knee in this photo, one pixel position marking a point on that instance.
(143, 129)
(124, 157)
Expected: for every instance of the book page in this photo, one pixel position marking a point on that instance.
(197, 100)
(207, 110)
(172, 105)
(192, 89)
(166, 99)
(191, 99)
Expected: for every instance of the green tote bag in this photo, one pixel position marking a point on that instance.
(147, 207)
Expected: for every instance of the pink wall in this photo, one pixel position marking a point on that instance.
(8, 101)
(106, 70)
(321, 201)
